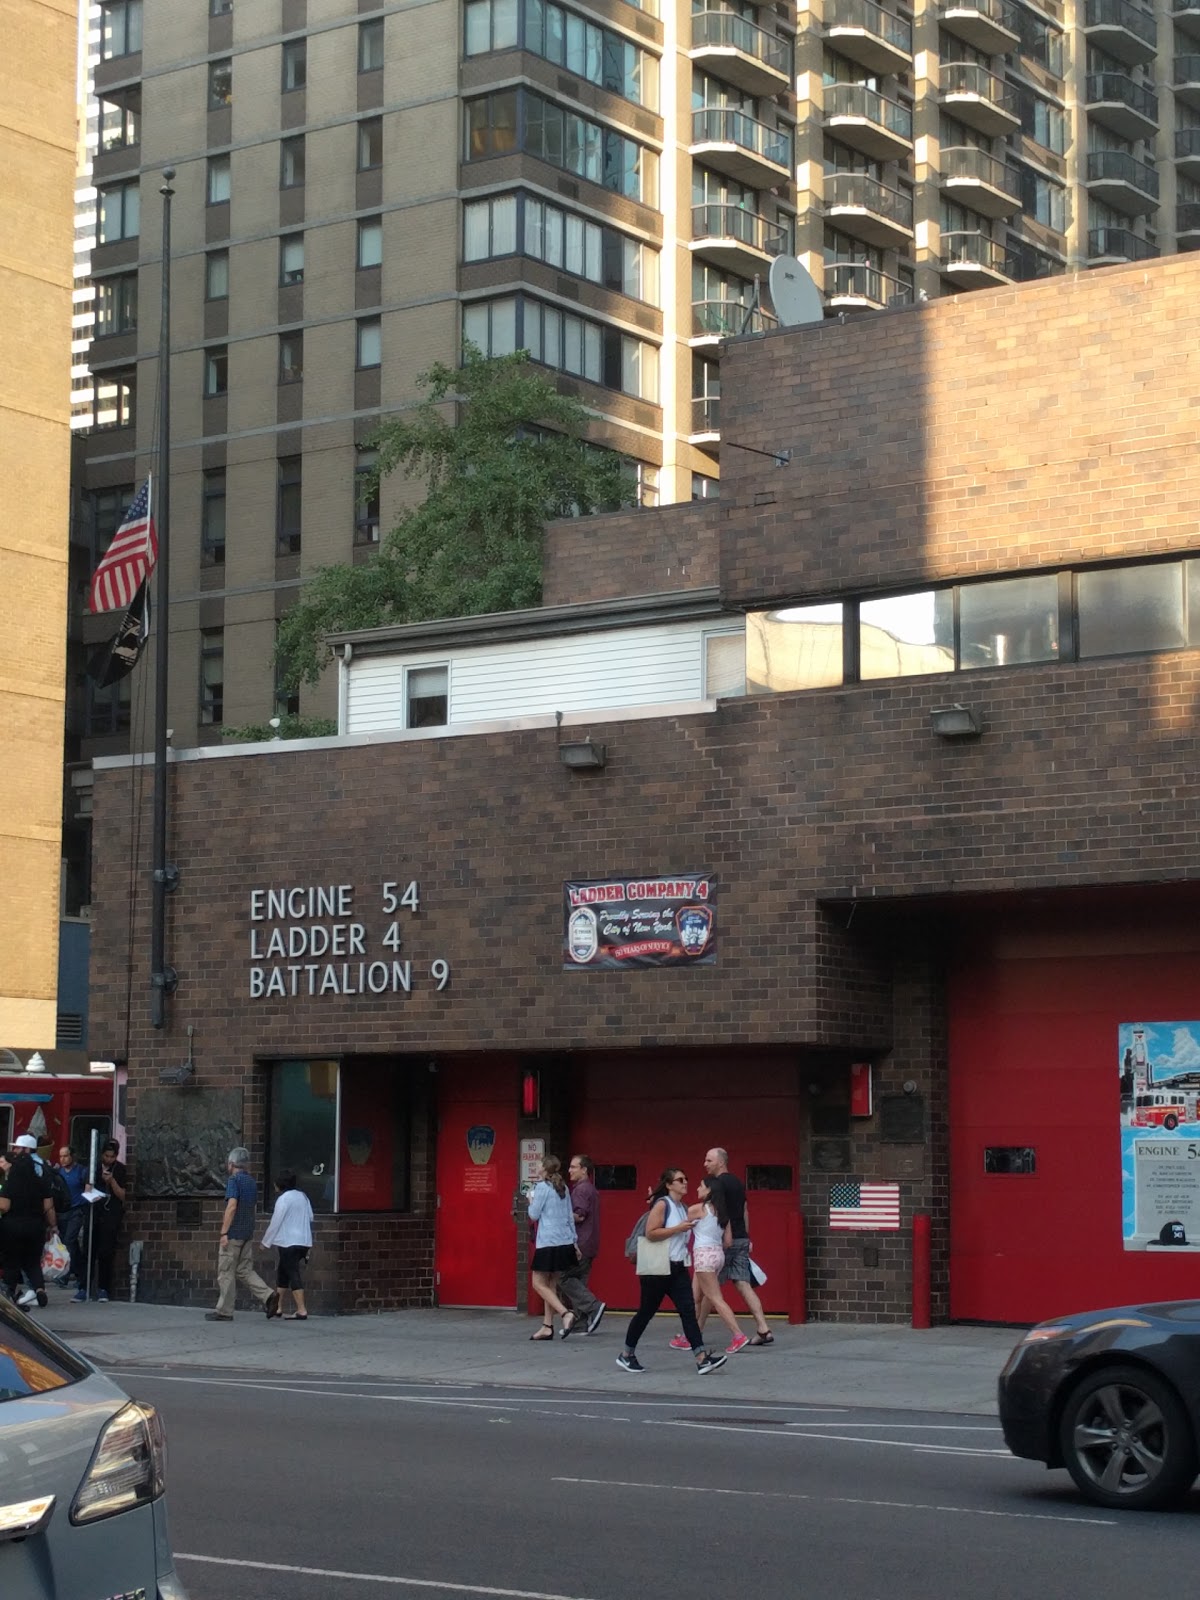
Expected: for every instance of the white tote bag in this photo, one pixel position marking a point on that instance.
(653, 1258)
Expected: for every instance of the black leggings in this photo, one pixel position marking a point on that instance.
(22, 1242)
(678, 1287)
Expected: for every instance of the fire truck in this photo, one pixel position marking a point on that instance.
(56, 1108)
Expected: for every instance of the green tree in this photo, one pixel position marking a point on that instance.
(513, 458)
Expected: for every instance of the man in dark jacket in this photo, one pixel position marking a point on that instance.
(585, 1204)
(27, 1207)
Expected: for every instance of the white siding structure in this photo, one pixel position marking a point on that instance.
(576, 659)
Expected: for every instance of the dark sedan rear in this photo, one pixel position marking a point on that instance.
(1114, 1397)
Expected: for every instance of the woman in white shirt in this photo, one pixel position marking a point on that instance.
(709, 1237)
(290, 1231)
(554, 1246)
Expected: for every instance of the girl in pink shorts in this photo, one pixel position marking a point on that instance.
(709, 1237)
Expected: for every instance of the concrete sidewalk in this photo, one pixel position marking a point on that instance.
(941, 1369)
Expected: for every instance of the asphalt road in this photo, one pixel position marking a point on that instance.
(323, 1489)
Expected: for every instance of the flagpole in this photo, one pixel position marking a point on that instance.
(165, 877)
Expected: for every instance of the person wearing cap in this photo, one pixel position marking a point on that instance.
(27, 1206)
(235, 1255)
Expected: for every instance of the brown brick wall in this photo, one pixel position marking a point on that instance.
(631, 552)
(1047, 423)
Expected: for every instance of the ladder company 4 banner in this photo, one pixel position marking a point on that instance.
(668, 921)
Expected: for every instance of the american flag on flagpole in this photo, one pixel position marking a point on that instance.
(864, 1205)
(129, 559)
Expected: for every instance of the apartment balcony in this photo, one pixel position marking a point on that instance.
(1122, 181)
(735, 240)
(1121, 29)
(1186, 16)
(740, 52)
(987, 25)
(869, 210)
(1187, 80)
(974, 261)
(979, 98)
(714, 320)
(1107, 246)
(866, 33)
(868, 121)
(1187, 226)
(1115, 101)
(979, 181)
(1187, 152)
(858, 286)
(745, 150)
(706, 419)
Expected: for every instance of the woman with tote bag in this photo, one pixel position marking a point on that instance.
(662, 1268)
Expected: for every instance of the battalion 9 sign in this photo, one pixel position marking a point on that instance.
(317, 939)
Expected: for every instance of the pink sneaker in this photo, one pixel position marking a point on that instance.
(680, 1343)
(740, 1343)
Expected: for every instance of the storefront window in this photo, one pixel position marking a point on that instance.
(343, 1129)
(304, 1129)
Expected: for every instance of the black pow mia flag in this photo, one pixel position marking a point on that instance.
(109, 663)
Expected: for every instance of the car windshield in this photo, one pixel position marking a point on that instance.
(30, 1360)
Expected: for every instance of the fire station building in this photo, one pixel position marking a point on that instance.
(849, 822)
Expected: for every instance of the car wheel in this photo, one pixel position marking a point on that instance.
(1126, 1440)
(1171, 1123)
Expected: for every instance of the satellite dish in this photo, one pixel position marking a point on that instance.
(795, 296)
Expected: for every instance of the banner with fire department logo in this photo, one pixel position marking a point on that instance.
(640, 922)
(1159, 1064)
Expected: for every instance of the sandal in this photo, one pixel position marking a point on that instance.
(547, 1332)
(763, 1338)
(295, 1316)
(568, 1324)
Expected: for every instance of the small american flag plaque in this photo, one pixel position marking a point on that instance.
(857, 1206)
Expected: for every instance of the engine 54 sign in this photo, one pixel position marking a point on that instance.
(314, 939)
(640, 922)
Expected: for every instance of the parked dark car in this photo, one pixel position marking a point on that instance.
(1114, 1397)
(82, 1507)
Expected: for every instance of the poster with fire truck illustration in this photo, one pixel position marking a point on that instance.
(1159, 1066)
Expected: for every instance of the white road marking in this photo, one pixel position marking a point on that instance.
(850, 1500)
(795, 1430)
(376, 1577)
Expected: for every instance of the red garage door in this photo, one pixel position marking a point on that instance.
(476, 1176)
(637, 1115)
(1034, 1113)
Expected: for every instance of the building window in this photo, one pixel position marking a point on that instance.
(370, 242)
(562, 138)
(314, 1104)
(906, 635)
(212, 519)
(796, 647)
(1009, 622)
(218, 180)
(705, 488)
(370, 143)
(366, 496)
(295, 65)
(220, 8)
(120, 28)
(493, 227)
(287, 506)
(369, 345)
(601, 55)
(1043, 198)
(291, 357)
(426, 696)
(216, 275)
(564, 341)
(119, 213)
(116, 304)
(105, 508)
(291, 258)
(212, 677)
(107, 710)
(220, 84)
(1129, 610)
(1041, 41)
(287, 700)
(291, 162)
(724, 665)
(216, 370)
(115, 398)
(370, 45)
(121, 118)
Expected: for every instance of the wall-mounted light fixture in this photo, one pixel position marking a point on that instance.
(579, 753)
(954, 722)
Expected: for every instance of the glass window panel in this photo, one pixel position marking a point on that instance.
(534, 245)
(906, 635)
(1126, 610)
(133, 207)
(218, 179)
(1003, 624)
(724, 664)
(370, 342)
(291, 259)
(532, 330)
(551, 336)
(504, 327)
(504, 122)
(370, 244)
(554, 237)
(535, 27)
(475, 326)
(370, 143)
(798, 647)
(504, 24)
(304, 1127)
(216, 275)
(592, 243)
(475, 231)
(576, 44)
(592, 357)
(573, 245)
(593, 65)
(556, 35)
(428, 695)
(478, 28)
(593, 153)
(572, 344)
(571, 155)
(504, 225)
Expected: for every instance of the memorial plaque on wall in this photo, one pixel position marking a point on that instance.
(902, 1119)
(902, 1163)
(182, 1139)
(831, 1155)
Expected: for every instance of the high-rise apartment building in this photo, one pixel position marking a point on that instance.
(37, 158)
(362, 187)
